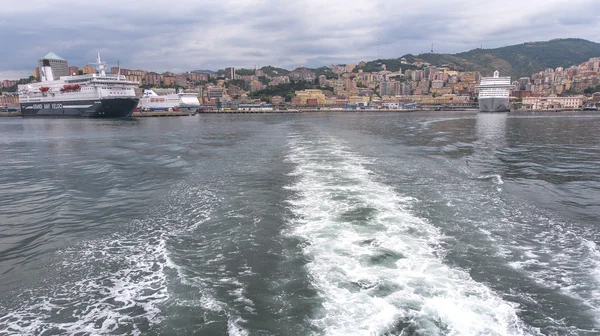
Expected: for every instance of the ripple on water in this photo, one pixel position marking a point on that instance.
(123, 279)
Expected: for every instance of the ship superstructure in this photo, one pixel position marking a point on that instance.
(151, 101)
(494, 93)
(97, 95)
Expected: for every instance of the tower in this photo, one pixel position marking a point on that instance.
(58, 64)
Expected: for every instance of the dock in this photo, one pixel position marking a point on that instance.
(249, 111)
(161, 114)
(10, 114)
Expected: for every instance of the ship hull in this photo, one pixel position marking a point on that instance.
(98, 108)
(494, 105)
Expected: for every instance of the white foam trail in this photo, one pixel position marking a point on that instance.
(123, 278)
(234, 328)
(377, 266)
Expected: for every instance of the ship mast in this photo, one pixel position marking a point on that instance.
(101, 66)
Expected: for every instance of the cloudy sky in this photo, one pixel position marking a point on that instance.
(206, 34)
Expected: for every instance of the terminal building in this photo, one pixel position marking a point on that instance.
(58, 64)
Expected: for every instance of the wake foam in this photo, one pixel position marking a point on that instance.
(122, 284)
(377, 267)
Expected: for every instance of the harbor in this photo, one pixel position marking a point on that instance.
(113, 226)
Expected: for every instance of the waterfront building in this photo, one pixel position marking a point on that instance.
(553, 102)
(58, 64)
(276, 100)
(305, 95)
(9, 98)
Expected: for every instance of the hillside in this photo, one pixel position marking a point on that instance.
(392, 64)
(518, 60)
(274, 71)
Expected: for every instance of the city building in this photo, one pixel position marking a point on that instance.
(303, 74)
(322, 80)
(58, 64)
(302, 97)
(153, 78)
(230, 73)
(73, 70)
(215, 92)
(9, 98)
(553, 103)
(275, 100)
(9, 83)
(87, 69)
(437, 84)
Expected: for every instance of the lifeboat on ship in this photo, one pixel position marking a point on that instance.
(44, 89)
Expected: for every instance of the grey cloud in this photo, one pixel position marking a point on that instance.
(242, 33)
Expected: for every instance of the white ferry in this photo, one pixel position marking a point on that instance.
(92, 95)
(494, 93)
(179, 101)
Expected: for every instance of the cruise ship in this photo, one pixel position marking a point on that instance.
(494, 93)
(96, 95)
(179, 101)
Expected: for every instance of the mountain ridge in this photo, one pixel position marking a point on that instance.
(519, 60)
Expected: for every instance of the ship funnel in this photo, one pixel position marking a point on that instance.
(46, 71)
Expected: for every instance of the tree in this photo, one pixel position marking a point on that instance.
(244, 72)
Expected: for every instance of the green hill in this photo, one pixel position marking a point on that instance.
(274, 71)
(392, 64)
(518, 60)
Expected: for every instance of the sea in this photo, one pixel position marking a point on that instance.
(356, 223)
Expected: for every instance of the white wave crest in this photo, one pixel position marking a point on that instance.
(376, 266)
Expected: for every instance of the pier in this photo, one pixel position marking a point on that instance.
(162, 114)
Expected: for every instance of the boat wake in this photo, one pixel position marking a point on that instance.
(377, 267)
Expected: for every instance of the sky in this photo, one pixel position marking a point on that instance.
(187, 35)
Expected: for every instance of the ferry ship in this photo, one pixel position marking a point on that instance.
(494, 93)
(95, 95)
(179, 101)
